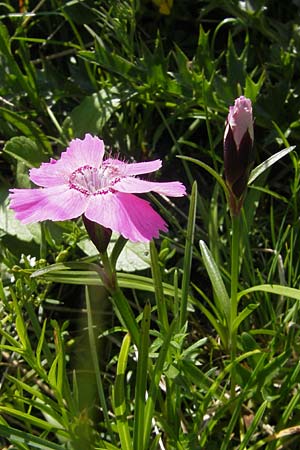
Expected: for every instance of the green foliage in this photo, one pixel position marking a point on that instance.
(147, 366)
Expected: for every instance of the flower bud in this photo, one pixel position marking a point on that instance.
(99, 235)
(238, 151)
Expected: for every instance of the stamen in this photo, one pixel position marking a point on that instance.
(92, 181)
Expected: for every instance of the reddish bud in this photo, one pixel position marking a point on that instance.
(238, 150)
(99, 235)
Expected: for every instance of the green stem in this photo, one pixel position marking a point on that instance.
(235, 244)
(123, 308)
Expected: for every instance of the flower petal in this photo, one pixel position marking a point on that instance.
(81, 152)
(240, 119)
(135, 185)
(52, 203)
(128, 169)
(126, 214)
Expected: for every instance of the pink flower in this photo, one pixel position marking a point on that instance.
(240, 120)
(82, 182)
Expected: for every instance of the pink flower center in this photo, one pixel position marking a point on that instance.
(92, 181)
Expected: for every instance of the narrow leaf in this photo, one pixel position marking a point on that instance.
(272, 289)
(158, 288)
(222, 298)
(188, 255)
(119, 398)
(17, 436)
(257, 171)
(141, 381)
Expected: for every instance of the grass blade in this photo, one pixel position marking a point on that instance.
(188, 256)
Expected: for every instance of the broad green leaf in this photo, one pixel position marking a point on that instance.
(14, 227)
(27, 128)
(94, 111)
(26, 150)
(134, 256)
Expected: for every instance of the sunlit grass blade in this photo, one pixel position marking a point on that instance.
(94, 355)
(28, 418)
(158, 288)
(209, 169)
(239, 402)
(16, 437)
(254, 424)
(243, 315)
(64, 273)
(216, 386)
(221, 295)
(272, 289)
(188, 256)
(154, 385)
(141, 382)
(257, 171)
(40, 333)
(119, 397)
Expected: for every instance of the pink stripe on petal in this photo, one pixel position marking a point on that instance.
(135, 185)
(128, 169)
(52, 203)
(126, 214)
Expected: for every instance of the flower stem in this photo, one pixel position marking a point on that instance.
(235, 244)
(121, 304)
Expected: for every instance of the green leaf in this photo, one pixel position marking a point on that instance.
(134, 256)
(15, 436)
(257, 171)
(26, 150)
(94, 111)
(272, 289)
(26, 127)
(222, 298)
(35, 421)
(188, 255)
(87, 273)
(158, 288)
(155, 380)
(243, 315)
(14, 227)
(236, 64)
(141, 381)
(252, 89)
(119, 397)
(216, 321)
(209, 169)
(111, 61)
